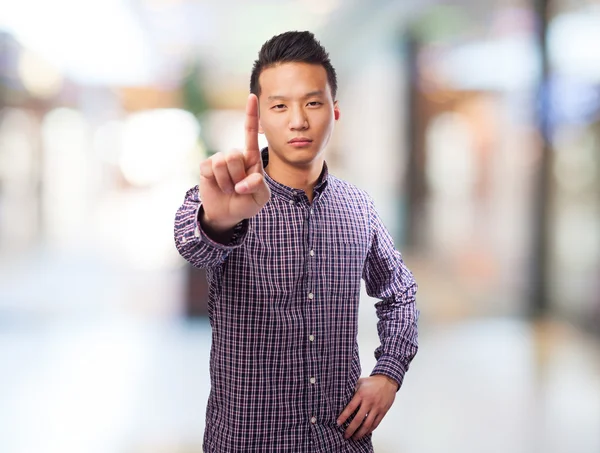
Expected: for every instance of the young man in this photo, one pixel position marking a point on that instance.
(285, 245)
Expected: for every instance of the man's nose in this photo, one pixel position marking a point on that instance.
(298, 119)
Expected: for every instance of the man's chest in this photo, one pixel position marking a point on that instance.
(305, 249)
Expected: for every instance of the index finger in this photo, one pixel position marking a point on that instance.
(252, 150)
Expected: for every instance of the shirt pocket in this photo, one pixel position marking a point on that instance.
(280, 268)
(346, 261)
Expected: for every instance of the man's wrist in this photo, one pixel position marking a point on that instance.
(219, 232)
(388, 379)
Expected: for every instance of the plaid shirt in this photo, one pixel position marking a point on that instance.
(283, 306)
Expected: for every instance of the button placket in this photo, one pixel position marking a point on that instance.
(311, 294)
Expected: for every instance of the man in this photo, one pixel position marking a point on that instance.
(285, 245)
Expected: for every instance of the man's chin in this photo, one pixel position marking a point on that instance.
(304, 157)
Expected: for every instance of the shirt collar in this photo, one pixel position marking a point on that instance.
(289, 193)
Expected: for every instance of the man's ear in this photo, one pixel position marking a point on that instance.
(336, 110)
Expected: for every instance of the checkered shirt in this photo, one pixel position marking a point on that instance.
(283, 307)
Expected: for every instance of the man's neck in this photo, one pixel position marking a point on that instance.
(302, 178)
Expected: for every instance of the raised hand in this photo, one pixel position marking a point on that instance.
(232, 185)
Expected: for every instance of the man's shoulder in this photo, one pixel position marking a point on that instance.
(344, 189)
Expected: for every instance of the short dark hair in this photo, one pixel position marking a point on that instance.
(292, 47)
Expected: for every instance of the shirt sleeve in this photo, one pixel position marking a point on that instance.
(388, 279)
(191, 240)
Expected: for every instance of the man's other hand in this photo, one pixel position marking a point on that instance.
(373, 398)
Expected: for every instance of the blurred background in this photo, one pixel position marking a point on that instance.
(475, 126)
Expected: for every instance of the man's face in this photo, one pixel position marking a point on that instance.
(297, 112)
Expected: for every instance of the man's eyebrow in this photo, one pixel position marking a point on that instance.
(313, 94)
(284, 98)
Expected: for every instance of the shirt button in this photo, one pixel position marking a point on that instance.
(312, 210)
(311, 337)
(312, 380)
(313, 420)
(183, 240)
(311, 296)
(291, 202)
(312, 253)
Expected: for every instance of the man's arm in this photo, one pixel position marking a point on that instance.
(197, 245)
(388, 279)
(233, 189)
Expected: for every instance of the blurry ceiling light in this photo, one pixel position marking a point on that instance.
(573, 44)
(92, 42)
(156, 143)
(38, 76)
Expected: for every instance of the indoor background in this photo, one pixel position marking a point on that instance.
(475, 126)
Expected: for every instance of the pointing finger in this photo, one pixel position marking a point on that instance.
(252, 150)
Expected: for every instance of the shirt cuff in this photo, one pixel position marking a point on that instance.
(390, 367)
(237, 239)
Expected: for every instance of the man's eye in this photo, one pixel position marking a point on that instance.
(278, 106)
(315, 103)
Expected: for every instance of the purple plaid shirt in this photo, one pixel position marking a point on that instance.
(283, 306)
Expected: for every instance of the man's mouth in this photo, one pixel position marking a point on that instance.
(300, 141)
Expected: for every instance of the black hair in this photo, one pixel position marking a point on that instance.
(292, 47)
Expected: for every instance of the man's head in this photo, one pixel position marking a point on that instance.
(292, 47)
(295, 85)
